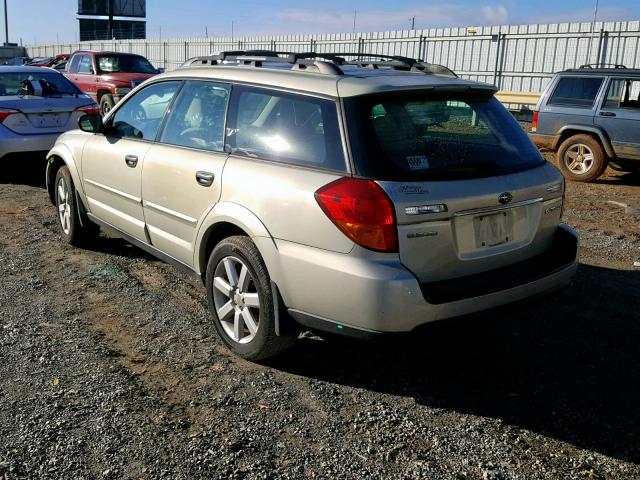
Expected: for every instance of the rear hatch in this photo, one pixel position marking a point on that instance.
(471, 192)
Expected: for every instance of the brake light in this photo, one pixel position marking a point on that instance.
(6, 112)
(534, 122)
(362, 211)
(92, 109)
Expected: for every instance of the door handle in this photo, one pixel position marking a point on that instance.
(607, 114)
(205, 178)
(131, 161)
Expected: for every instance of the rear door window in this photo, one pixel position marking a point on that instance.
(283, 127)
(418, 136)
(576, 91)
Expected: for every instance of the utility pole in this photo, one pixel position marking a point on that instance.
(231, 31)
(355, 14)
(413, 23)
(6, 24)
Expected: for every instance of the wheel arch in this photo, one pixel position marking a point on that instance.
(598, 133)
(101, 92)
(227, 219)
(58, 157)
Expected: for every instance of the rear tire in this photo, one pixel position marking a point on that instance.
(581, 158)
(241, 300)
(106, 104)
(74, 232)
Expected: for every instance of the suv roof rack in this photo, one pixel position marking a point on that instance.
(328, 63)
(602, 65)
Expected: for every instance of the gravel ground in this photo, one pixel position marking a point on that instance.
(110, 368)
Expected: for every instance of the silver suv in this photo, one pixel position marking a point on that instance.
(352, 196)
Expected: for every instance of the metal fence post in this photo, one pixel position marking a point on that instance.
(498, 39)
(164, 55)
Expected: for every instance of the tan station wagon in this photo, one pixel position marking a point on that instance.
(358, 196)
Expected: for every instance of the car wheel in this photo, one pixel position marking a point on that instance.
(581, 158)
(106, 104)
(73, 231)
(241, 300)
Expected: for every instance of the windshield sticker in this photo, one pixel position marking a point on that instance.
(418, 162)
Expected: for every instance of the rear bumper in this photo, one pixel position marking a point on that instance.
(358, 295)
(11, 142)
(549, 142)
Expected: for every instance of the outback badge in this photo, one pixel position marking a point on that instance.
(505, 197)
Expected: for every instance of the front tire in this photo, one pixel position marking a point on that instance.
(581, 158)
(73, 231)
(106, 104)
(241, 300)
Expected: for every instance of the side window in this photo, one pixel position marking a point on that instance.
(141, 115)
(576, 91)
(623, 93)
(85, 64)
(198, 116)
(75, 61)
(285, 127)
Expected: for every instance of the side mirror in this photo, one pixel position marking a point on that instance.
(90, 123)
(160, 70)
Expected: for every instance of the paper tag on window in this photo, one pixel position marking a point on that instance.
(418, 162)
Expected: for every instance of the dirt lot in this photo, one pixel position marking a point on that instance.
(110, 368)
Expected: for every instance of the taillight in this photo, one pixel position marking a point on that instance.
(92, 109)
(6, 112)
(534, 122)
(362, 211)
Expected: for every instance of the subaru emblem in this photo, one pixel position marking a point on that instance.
(505, 197)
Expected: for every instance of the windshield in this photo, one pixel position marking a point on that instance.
(55, 83)
(124, 64)
(417, 136)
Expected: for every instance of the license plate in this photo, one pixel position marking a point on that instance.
(492, 230)
(49, 119)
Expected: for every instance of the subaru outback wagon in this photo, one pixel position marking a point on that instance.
(590, 117)
(305, 190)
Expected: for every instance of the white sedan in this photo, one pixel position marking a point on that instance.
(36, 105)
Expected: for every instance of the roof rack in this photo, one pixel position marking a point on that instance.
(328, 63)
(602, 65)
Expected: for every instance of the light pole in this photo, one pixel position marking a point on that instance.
(6, 24)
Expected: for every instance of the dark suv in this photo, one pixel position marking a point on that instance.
(591, 118)
(108, 76)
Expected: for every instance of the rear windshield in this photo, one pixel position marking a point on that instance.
(54, 83)
(125, 64)
(417, 136)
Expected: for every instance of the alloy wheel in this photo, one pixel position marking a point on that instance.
(64, 207)
(236, 299)
(579, 158)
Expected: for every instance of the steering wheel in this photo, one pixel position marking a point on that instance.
(195, 135)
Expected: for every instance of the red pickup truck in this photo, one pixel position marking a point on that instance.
(108, 76)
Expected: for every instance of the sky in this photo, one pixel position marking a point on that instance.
(46, 21)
